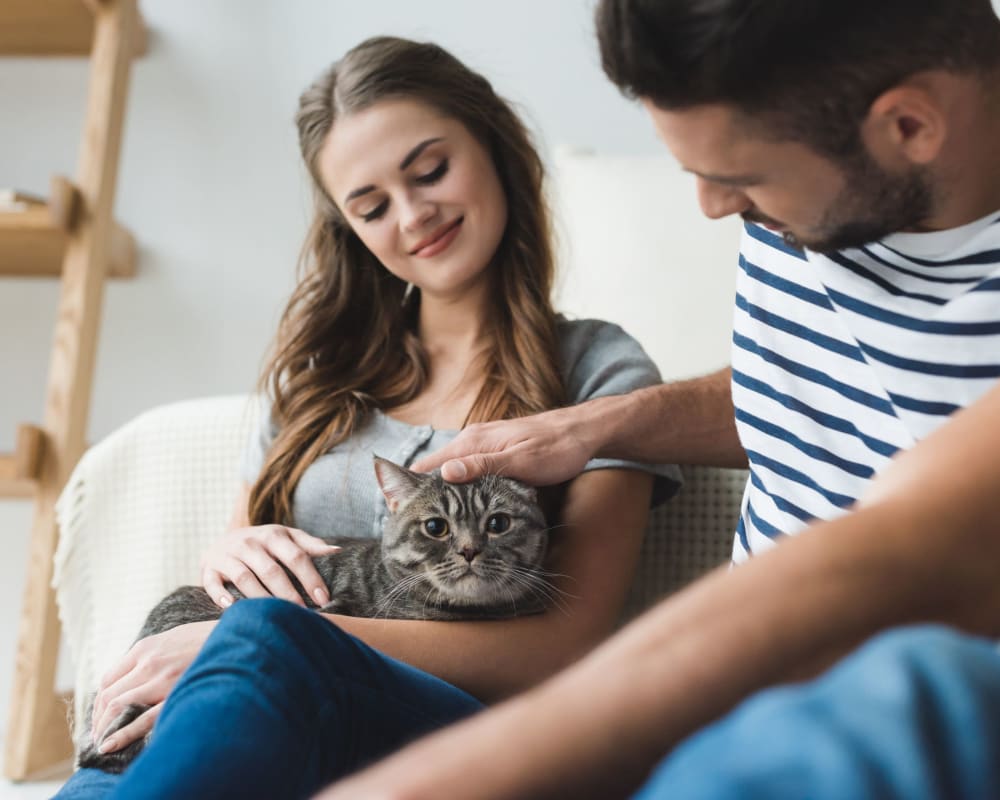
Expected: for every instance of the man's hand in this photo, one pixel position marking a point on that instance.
(543, 449)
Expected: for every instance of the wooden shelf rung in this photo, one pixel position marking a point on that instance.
(54, 28)
(65, 203)
(28, 451)
(11, 486)
(33, 241)
(19, 470)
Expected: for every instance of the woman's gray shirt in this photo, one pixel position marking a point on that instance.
(338, 495)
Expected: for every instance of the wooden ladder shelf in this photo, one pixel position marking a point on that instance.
(72, 236)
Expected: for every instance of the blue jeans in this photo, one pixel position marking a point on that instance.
(278, 703)
(912, 715)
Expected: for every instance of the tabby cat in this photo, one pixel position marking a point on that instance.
(447, 552)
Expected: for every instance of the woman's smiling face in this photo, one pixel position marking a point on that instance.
(419, 190)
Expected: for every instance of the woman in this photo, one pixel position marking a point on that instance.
(424, 306)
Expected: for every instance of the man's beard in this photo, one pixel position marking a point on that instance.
(872, 205)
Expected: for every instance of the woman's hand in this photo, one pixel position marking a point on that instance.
(145, 676)
(251, 559)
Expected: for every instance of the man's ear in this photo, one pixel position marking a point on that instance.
(397, 483)
(905, 125)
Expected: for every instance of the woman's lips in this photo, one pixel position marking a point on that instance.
(439, 240)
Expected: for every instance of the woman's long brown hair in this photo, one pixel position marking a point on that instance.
(346, 344)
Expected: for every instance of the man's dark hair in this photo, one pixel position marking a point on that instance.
(807, 69)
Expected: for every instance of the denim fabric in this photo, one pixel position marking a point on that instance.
(913, 715)
(278, 703)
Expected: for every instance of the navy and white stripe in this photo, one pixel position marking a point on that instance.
(840, 360)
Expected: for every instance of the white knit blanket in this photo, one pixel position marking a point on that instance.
(136, 515)
(143, 504)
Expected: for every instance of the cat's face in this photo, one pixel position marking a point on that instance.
(475, 543)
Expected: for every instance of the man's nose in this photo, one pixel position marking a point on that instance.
(719, 201)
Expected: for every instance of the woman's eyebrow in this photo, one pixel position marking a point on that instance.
(358, 192)
(416, 151)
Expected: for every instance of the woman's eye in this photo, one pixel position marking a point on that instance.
(498, 523)
(436, 527)
(434, 175)
(376, 212)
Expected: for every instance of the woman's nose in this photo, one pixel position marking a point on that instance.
(416, 212)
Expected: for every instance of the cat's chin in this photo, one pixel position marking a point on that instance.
(469, 589)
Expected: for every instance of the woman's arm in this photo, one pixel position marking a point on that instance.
(604, 514)
(687, 422)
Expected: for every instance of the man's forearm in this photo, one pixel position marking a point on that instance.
(925, 549)
(685, 422)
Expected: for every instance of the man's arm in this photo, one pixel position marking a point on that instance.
(687, 422)
(925, 546)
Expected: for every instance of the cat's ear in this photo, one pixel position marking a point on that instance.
(397, 483)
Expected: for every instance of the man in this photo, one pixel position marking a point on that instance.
(860, 141)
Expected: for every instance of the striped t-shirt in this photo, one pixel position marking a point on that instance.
(840, 360)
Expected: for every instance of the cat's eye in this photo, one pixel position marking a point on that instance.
(498, 523)
(436, 527)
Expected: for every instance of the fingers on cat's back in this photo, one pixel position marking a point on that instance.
(311, 544)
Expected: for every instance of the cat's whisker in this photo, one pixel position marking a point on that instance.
(550, 590)
(536, 583)
(510, 596)
(538, 587)
(436, 593)
(547, 574)
(555, 527)
(542, 593)
(405, 585)
(506, 582)
(537, 572)
(390, 599)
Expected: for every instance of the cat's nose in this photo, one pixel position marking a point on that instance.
(470, 553)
